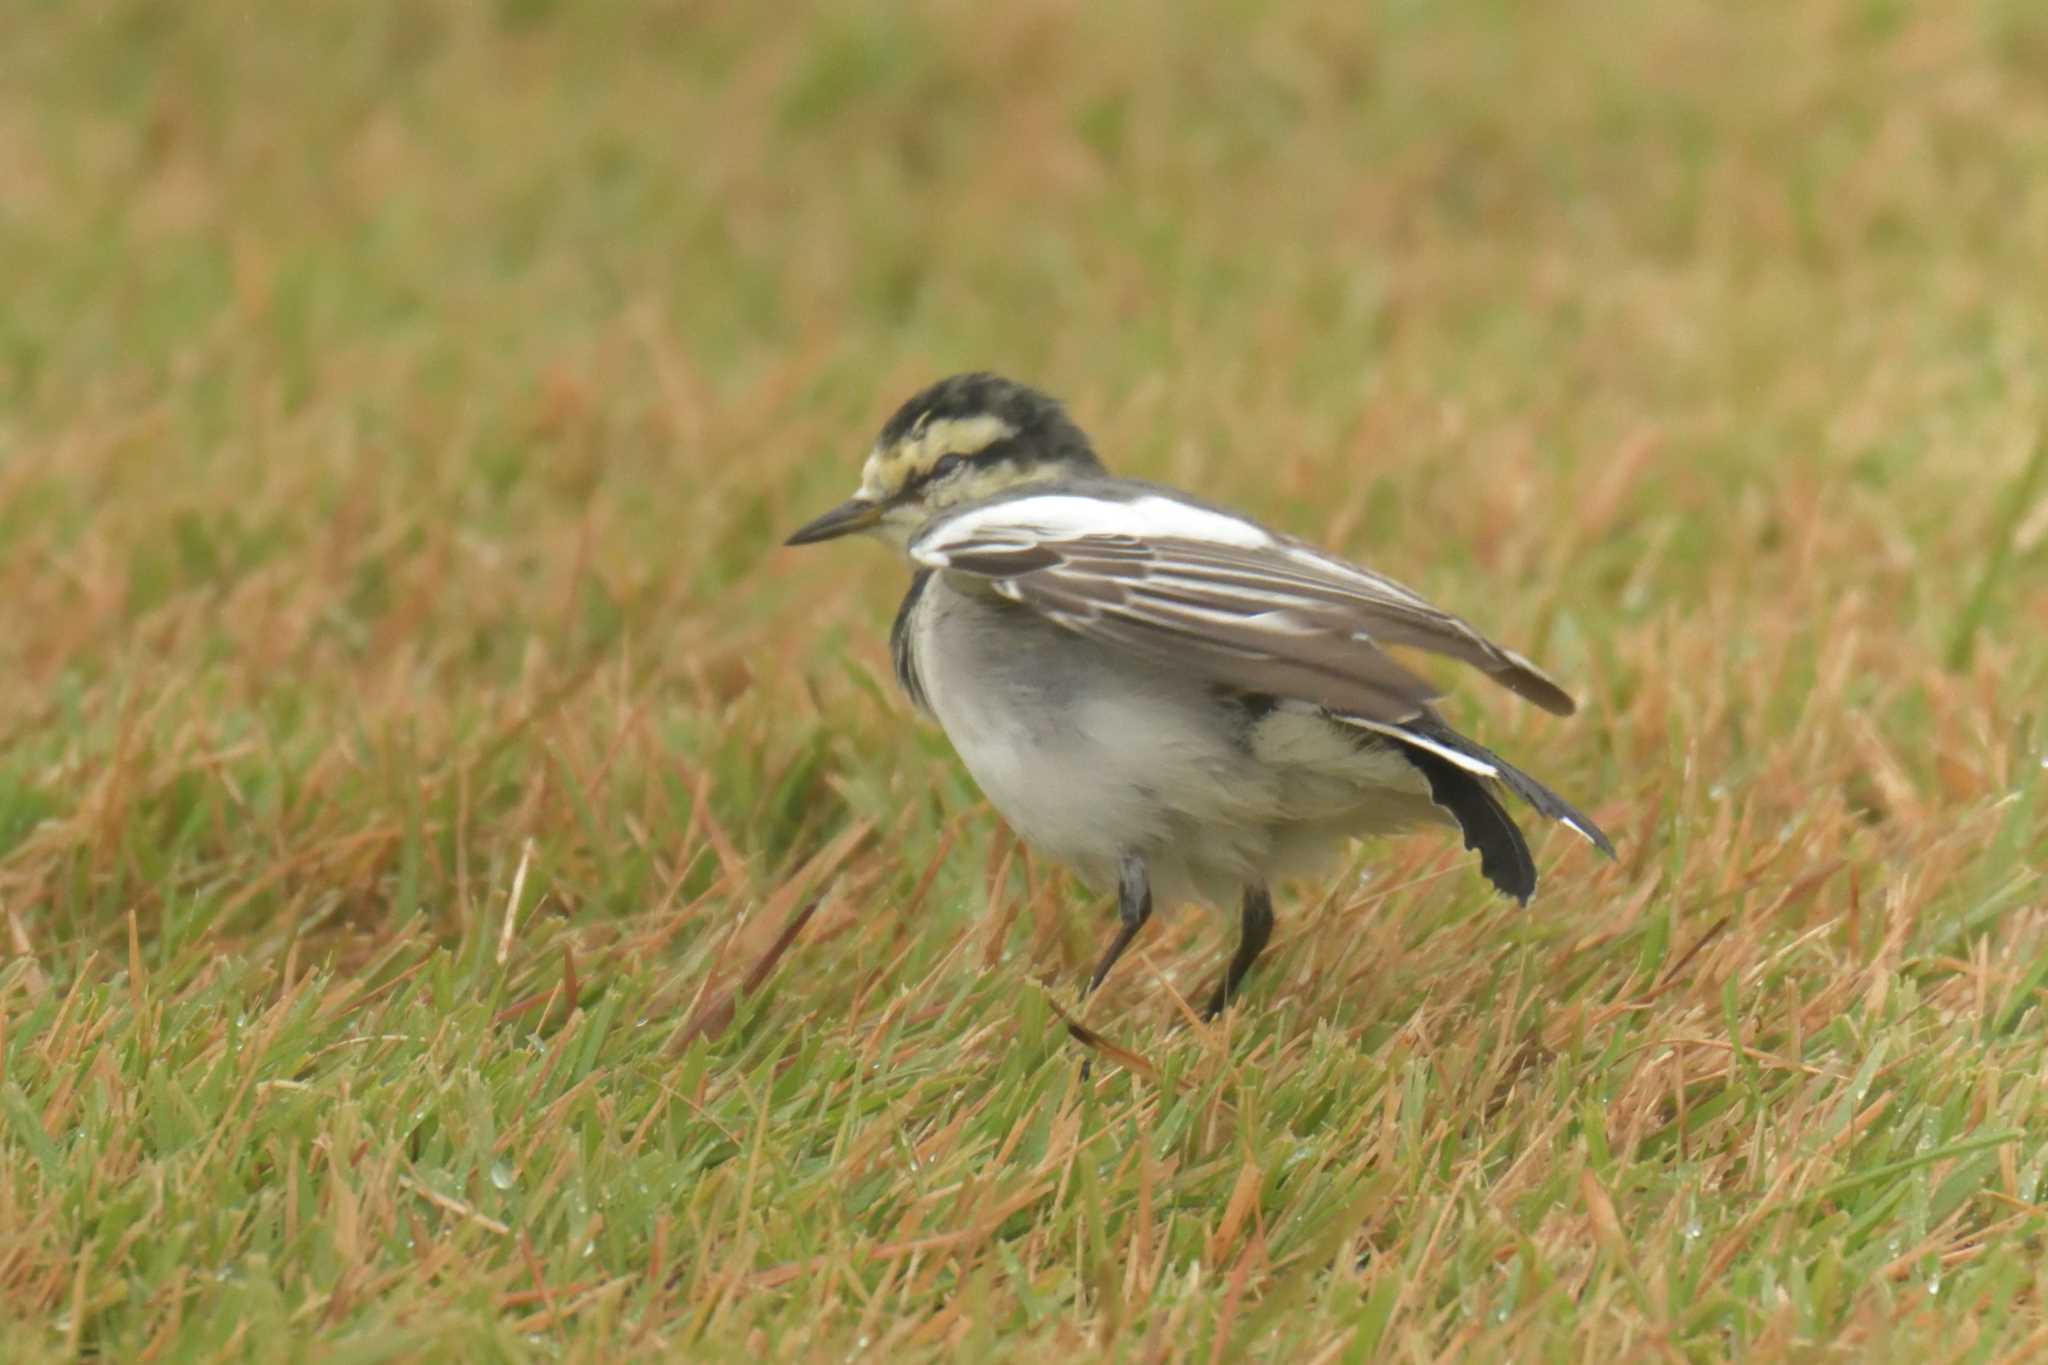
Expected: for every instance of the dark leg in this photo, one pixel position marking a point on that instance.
(1134, 907)
(1257, 927)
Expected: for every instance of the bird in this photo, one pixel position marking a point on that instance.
(1162, 694)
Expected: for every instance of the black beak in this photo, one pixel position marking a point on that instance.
(855, 514)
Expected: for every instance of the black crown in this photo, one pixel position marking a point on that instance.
(1044, 431)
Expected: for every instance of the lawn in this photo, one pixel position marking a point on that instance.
(467, 894)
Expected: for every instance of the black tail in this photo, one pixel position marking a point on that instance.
(1468, 796)
(1489, 830)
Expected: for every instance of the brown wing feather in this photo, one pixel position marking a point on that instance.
(1384, 611)
(1280, 619)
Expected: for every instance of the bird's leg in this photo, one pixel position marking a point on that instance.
(1256, 928)
(1133, 906)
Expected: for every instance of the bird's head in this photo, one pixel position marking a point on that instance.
(964, 438)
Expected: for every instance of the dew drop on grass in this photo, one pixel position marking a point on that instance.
(1693, 1231)
(502, 1176)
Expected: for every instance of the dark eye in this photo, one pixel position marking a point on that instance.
(945, 465)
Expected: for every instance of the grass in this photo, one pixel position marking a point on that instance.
(468, 895)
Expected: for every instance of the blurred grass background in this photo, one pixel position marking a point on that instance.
(468, 895)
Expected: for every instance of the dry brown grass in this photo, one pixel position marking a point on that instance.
(468, 896)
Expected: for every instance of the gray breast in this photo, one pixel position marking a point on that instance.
(1091, 753)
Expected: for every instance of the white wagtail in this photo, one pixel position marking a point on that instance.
(1159, 692)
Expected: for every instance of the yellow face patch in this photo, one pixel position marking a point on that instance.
(890, 468)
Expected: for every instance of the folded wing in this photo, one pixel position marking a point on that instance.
(1200, 589)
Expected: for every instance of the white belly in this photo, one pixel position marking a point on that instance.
(1092, 754)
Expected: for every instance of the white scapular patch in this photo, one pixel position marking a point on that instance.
(1065, 516)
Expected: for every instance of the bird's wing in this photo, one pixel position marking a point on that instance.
(1203, 590)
